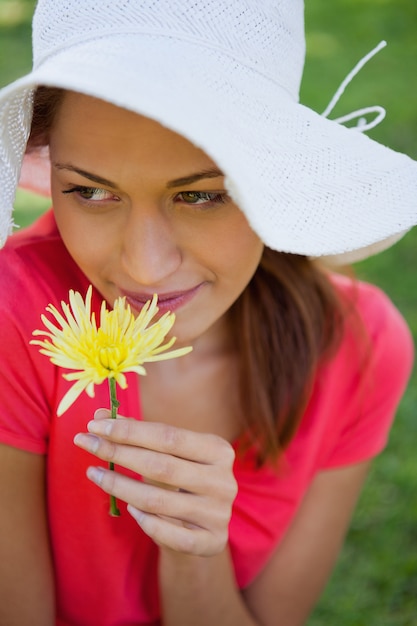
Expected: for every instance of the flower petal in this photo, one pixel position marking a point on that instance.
(121, 344)
(71, 396)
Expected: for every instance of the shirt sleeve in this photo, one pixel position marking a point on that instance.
(365, 420)
(27, 378)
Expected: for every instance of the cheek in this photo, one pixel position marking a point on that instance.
(239, 247)
(85, 243)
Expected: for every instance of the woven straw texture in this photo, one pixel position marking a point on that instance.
(225, 75)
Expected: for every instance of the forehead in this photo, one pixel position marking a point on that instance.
(97, 127)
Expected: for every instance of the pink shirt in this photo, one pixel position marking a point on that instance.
(106, 568)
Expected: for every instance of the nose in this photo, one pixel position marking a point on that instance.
(150, 252)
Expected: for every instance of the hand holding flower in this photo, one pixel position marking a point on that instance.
(187, 503)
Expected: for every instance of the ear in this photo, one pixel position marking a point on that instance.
(35, 174)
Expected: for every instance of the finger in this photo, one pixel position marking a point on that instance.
(180, 507)
(162, 468)
(195, 542)
(102, 414)
(202, 448)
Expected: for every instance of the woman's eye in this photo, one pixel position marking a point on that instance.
(201, 197)
(94, 194)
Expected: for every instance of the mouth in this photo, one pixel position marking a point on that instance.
(169, 301)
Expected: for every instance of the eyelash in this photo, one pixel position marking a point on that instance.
(215, 198)
(212, 198)
(79, 190)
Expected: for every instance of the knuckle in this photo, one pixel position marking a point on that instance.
(122, 429)
(221, 519)
(161, 469)
(110, 451)
(170, 437)
(228, 454)
(215, 545)
(225, 488)
(154, 500)
(187, 543)
(232, 489)
(224, 451)
(105, 449)
(221, 542)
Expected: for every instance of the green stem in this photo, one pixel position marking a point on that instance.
(114, 405)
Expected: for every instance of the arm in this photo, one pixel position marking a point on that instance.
(288, 588)
(197, 589)
(190, 525)
(26, 580)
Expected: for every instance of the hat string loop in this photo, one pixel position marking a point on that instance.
(362, 124)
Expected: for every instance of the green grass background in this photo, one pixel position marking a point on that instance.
(375, 581)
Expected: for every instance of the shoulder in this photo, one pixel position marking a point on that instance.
(359, 389)
(32, 252)
(35, 269)
(374, 326)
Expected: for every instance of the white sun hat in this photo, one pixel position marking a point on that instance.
(225, 75)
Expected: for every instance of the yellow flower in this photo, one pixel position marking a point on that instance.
(120, 344)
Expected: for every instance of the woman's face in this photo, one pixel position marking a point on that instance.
(143, 211)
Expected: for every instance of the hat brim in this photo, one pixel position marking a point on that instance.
(306, 184)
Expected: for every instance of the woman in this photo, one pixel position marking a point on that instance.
(180, 167)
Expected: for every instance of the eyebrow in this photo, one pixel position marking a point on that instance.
(177, 182)
(93, 177)
(194, 178)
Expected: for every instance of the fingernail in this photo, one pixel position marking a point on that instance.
(137, 515)
(100, 427)
(88, 442)
(102, 414)
(95, 474)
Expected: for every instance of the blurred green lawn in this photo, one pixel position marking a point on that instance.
(375, 581)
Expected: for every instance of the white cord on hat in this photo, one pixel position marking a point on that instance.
(362, 124)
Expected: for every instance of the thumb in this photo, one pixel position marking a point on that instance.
(102, 414)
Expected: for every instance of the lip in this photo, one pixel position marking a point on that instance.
(168, 301)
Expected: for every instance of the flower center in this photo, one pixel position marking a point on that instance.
(110, 357)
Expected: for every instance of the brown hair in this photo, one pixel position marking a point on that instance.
(46, 103)
(286, 321)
